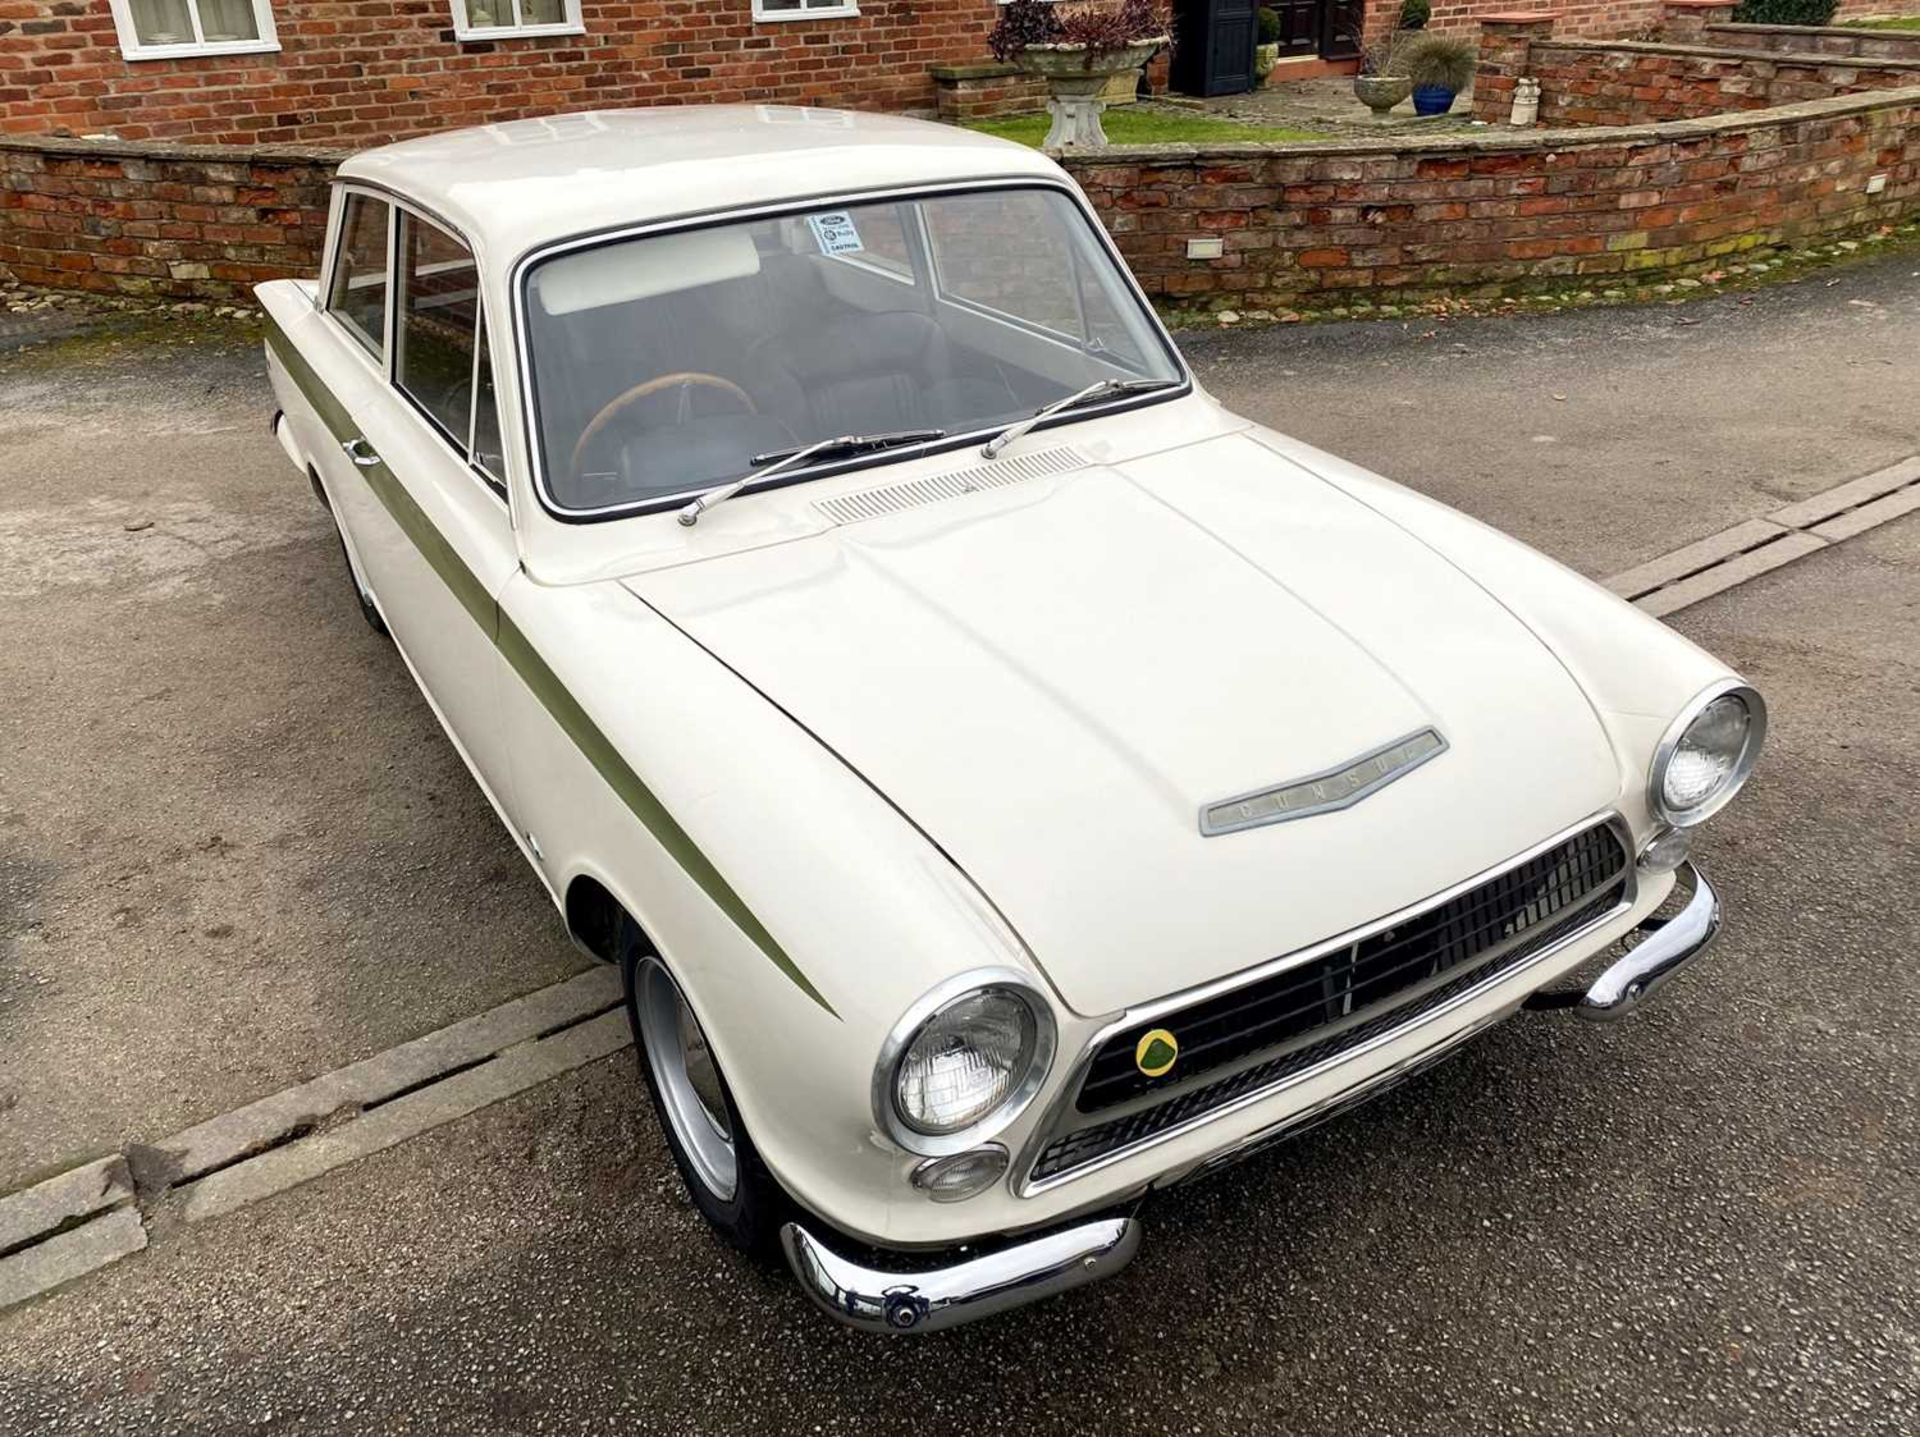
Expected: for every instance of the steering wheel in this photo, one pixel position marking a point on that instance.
(686, 379)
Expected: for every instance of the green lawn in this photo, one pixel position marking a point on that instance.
(1912, 22)
(1129, 125)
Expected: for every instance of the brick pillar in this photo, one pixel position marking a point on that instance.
(1506, 38)
(1684, 22)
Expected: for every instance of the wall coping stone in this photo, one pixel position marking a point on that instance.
(1521, 17)
(984, 70)
(80, 148)
(1516, 141)
(1863, 32)
(1805, 58)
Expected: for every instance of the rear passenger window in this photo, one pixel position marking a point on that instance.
(359, 295)
(439, 313)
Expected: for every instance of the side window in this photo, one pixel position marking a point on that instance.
(439, 314)
(487, 454)
(359, 293)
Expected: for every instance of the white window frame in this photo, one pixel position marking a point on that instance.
(466, 33)
(133, 48)
(841, 11)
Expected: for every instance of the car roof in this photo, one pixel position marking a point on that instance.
(514, 186)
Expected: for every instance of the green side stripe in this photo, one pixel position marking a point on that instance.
(533, 670)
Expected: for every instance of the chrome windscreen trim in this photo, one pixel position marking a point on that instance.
(1052, 1124)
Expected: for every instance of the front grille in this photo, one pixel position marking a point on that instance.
(1314, 1011)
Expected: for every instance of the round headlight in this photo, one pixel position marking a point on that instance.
(1707, 754)
(969, 1053)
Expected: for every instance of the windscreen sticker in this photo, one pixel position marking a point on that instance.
(834, 233)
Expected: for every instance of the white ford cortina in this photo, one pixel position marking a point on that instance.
(1009, 783)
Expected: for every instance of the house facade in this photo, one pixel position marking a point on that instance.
(353, 72)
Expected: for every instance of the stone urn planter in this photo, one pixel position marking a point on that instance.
(1075, 79)
(1380, 93)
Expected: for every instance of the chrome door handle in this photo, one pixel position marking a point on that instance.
(360, 452)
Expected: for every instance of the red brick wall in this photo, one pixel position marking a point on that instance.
(359, 70)
(1634, 84)
(1509, 209)
(1851, 10)
(1575, 17)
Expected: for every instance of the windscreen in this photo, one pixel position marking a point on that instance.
(671, 363)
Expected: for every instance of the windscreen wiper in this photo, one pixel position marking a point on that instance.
(1101, 389)
(839, 447)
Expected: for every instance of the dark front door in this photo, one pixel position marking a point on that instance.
(1214, 55)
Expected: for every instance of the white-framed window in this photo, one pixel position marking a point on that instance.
(804, 9)
(504, 19)
(162, 29)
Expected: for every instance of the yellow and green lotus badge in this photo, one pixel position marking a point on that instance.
(1156, 1053)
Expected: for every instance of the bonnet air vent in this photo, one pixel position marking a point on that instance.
(872, 503)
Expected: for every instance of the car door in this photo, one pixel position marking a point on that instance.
(416, 479)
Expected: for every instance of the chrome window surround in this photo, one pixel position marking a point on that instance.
(1742, 767)
(1055, 1121)
(903, 1032)
(523, 376)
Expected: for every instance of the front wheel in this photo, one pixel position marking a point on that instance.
(717, 1160)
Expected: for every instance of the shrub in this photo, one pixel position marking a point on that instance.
(1444, 60)
(1269, 21)
(1102, 28)
(1022, 23)
(1414, 14)
(1785, 12)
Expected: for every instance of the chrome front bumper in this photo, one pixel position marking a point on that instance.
(1667, 945)
(875, 1301)
(878, 1301)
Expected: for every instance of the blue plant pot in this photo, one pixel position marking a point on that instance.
(1432, 99)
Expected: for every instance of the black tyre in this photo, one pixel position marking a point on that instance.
(717, 1160)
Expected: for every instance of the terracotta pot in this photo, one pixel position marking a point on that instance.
(1380, 93)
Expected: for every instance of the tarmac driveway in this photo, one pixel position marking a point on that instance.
(235, 851)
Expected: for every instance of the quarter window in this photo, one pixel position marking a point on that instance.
(359, 293)
(439, 313)
(503, 19)
(157, 29)
(487, 453)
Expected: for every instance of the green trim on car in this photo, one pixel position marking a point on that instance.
(534, 672)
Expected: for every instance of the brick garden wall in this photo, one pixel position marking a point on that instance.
(1812, 40)
(352, 71)
(159, 220)
(1506, 209)
(1625, 83)
(1459, 212)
